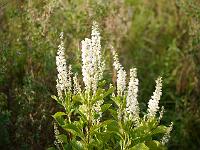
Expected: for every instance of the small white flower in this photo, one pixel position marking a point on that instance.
(153, 106)
(132, 107)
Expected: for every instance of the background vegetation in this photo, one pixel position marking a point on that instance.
(158, 37)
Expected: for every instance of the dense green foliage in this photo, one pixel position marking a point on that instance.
(158, 37)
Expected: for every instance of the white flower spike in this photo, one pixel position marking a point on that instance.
(92, 64)
(132, 106)
(153, 104)
(63, 77)
(121, 74)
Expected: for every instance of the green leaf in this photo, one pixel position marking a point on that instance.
(76, 145)
(98, 96)
(67, 146)
(160, 129)
(152, 123)
(155, 145)
(113, 128)
(141, 133)
(117, 100)
(59, 114)
(109, 91)
(83, 117)
(104, 137)
(140, 146)
(105, 107)
(95, 145)
(102, 83)
(57, 99)
(113, 113)
(77, 98)
(62, 138)
(51, 148)
(102, 124)
(54, 97)
(58, 117)
(74, 130)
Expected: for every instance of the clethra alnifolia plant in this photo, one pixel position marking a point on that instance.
(100, 115)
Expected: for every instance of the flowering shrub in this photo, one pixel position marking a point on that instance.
(98, 116)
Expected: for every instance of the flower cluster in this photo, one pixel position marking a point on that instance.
(121, 74)
(116, 62)
(97, 109)
(64, 74)
(166, 137)
(92, 64)
(132, 107)
(77, 86)
(153, 106)
(57, 133)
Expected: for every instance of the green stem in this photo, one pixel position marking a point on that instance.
(89, 117)
(62, 146)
